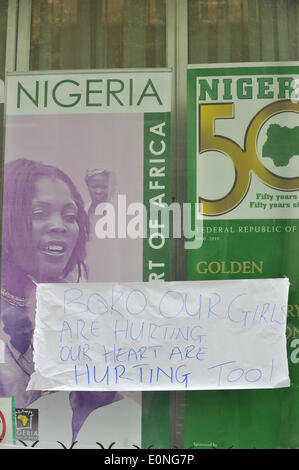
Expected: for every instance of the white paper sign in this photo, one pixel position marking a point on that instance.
(161, 336)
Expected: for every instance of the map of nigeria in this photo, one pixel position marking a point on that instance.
(282, 144)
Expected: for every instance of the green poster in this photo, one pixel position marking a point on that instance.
(243, 167)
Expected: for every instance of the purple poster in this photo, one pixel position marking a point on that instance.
(74, 146)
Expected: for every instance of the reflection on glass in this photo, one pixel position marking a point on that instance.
(89, 34)
(224, 31)
(3, 27)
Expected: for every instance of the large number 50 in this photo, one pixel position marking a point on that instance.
(245, 161)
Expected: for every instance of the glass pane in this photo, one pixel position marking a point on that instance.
(3, 28)
(239, 31)
(226, 31)
(72, 34)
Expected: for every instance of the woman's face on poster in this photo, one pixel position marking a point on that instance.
(55, 230)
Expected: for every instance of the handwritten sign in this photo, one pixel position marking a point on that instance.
(161, 336)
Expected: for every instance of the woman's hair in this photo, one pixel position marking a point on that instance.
(19, 179)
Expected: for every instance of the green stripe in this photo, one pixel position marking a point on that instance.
(155, 405)
(226, 71)
(156, 248)
(13, 411)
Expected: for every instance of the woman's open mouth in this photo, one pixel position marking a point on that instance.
(53, 248)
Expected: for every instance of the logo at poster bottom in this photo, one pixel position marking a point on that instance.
(27, 424)
(2, 427)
